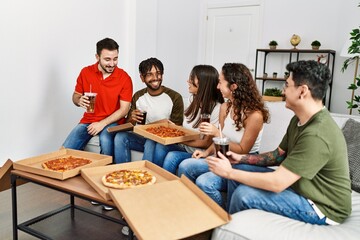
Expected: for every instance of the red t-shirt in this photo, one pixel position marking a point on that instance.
(116, 87)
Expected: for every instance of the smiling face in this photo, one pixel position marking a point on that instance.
(291, 92)
(193, 85)
(108, 60)
(152, 79)
(223, 86)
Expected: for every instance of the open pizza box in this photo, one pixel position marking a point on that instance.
(189, 134)
(94, 175)
(5, 172)
(34, 164)
(169, 210)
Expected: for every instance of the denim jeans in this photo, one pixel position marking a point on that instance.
(124, 142)
(161, 151)
(197, 170)
(192, 168)
(79, 137)
(173, 159)
(286, 203)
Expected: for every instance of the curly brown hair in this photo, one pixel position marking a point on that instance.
(247, 98)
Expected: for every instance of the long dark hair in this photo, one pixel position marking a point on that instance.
(247, 98)
(207, 95)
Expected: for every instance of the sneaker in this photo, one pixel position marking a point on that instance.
(125, 230)
(108, 208)
(94, 203)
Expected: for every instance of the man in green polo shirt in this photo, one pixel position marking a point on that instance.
(312, 182)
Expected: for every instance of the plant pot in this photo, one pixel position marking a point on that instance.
(315, 47)
(272, 98)
(272, 47)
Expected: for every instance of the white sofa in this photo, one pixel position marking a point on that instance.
(256, 224)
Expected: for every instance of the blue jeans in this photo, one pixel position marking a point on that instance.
(192, 168)
(79, 137)
(173, 159)
(197, 170)
(124, 142)
(286, 203)
(161, 151)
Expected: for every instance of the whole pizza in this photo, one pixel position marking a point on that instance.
(65, 163)
(165, 132)
(122, 179)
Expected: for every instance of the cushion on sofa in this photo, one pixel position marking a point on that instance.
(351, 131)
(260, 225)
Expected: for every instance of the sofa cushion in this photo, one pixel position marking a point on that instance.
(351, 132)
(258, 225)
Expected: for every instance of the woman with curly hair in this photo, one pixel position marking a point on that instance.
(241, 119)
(205, 98)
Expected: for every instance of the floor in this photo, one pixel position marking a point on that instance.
(34, 200)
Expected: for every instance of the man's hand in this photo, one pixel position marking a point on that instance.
(220, 166)
(95, 127)
(234, 158)
(136, 116)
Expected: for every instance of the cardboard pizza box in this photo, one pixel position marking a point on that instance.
(5, 171)
(120, 128)
(189, 134)
(93, 175)
(34, 164)
(169, 210)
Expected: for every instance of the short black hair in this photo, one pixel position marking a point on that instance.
(106, 43)
(315, 75)
(146, 65)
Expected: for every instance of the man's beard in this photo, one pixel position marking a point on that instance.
(105, 70)
(154, 88)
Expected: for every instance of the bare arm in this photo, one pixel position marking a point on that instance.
(97, 127)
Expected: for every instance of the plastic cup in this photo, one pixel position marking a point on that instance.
(204, 117)
(144, 113)
(92, 97)
(221, 145)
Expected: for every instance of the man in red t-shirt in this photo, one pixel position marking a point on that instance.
(113, 88)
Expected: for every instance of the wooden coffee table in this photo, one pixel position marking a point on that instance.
(74, 187)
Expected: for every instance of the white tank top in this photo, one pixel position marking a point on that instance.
(229, 130)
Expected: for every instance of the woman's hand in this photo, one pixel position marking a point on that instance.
(199, 154)
(209, 129)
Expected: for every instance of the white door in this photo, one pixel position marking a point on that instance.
(232, 35)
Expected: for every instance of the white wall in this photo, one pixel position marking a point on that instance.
(45, 43)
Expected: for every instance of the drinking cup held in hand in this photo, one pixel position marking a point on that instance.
(221, 145)
(92, 97)
(204, 117)
(143, 121)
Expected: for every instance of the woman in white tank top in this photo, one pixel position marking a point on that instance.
(241, 119)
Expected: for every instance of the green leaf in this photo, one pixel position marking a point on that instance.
(352, 87)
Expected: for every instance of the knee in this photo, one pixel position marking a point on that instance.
(184, 165)
(120, 138)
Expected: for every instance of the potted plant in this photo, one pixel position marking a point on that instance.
(273, 44)
(315, 45)
(354, 56)
(273, 94)
(274, 74)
